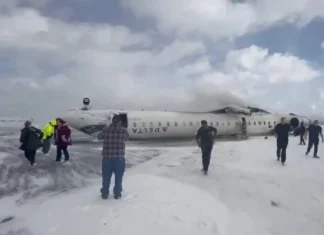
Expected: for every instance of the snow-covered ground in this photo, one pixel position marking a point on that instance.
(247, 192)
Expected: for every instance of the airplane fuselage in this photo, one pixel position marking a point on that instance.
(166, 125)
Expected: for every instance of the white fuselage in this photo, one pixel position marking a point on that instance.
(164, 124)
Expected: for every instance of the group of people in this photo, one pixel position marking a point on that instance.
(113, 153)
(282, 129)
(32, 139)
(115, 135)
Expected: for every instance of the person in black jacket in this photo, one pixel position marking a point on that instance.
(205, 141)
(31, 141)
(313, 131)
(302, 131)
(281, 131)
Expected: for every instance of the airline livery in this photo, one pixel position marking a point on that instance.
(229, 121)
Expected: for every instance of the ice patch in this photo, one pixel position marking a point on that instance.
(3, 155)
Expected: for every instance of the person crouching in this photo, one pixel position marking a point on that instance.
(63, 140)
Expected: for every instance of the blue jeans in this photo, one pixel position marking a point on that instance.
(206, 150)
(112, 165)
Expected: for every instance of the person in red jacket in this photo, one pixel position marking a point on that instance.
(63, 140)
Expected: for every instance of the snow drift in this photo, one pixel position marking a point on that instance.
(156, 205)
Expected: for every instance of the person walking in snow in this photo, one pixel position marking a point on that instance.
(281, 131)
(63, 140)
(302, 131)
(30, 139)
(314, 131)
(48, 132)
(205, 140)
(113, 156)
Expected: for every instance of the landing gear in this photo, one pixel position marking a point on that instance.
(86, 103)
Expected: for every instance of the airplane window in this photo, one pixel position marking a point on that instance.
(217, 123)
(190, 123)
(259, 123)
(168, 123)
(229, 123)
(265, 123)
(143, 124)
(184, 124)
(274, 122)
(175, 124)
(269, 123)
(223, 124)
(249, 123)
(254, 123)
(134, 124)
(160, 124)
(211, 123)
(151, 124)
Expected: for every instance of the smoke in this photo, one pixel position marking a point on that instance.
(202, 99)
(195, 99)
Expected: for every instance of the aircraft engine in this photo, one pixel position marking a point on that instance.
(294, 122)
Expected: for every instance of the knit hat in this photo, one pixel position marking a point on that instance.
(27, 123)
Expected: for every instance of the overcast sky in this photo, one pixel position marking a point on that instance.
(157, 54)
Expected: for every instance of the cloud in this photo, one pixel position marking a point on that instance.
(224, 18)
(248, 74)
(49, 65)
(257, 64)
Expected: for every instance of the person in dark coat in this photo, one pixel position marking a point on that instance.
(314, 131)
(30, 139)
(63, 140)
(302, 131)
(281, 131)
(205, 140)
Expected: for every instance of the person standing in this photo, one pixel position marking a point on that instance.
(63, 140)
(244, 128)
(313, 131)
(30, 139)
(302, 131)
(48, 132)
(113, 156)
(205, 140)
(282, 133)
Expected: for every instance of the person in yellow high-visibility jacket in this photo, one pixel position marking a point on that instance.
(48, 132)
